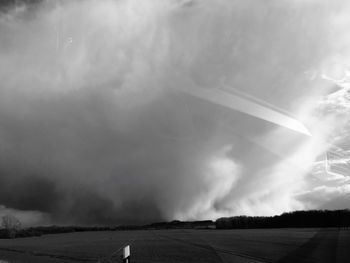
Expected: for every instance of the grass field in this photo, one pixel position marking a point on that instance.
(263, 245)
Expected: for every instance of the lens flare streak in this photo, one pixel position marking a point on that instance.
(247, 106)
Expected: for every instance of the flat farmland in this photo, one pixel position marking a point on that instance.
(248, 245)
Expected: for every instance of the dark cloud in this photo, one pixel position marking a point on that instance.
(95, 130)
(28, 192)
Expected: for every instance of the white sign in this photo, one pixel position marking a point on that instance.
(126, 252)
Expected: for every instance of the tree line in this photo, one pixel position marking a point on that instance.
(303, 219)
(11, 226)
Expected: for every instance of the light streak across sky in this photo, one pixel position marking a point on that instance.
(248, 106)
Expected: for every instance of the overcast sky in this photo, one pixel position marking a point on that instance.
(103, 119)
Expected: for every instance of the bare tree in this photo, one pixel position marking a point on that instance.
(11, 224)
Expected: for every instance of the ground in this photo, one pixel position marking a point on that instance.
(185, 246)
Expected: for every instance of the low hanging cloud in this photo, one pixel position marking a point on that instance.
(95, 127)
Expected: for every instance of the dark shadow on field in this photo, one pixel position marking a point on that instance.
(217, 251)
(200, 244)
(321, 248)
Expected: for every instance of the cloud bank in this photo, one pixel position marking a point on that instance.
(95, 127)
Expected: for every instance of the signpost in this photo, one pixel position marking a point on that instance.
(126, 254)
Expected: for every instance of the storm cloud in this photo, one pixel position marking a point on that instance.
(95, 127)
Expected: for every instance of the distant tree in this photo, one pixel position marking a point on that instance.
(11, 225)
